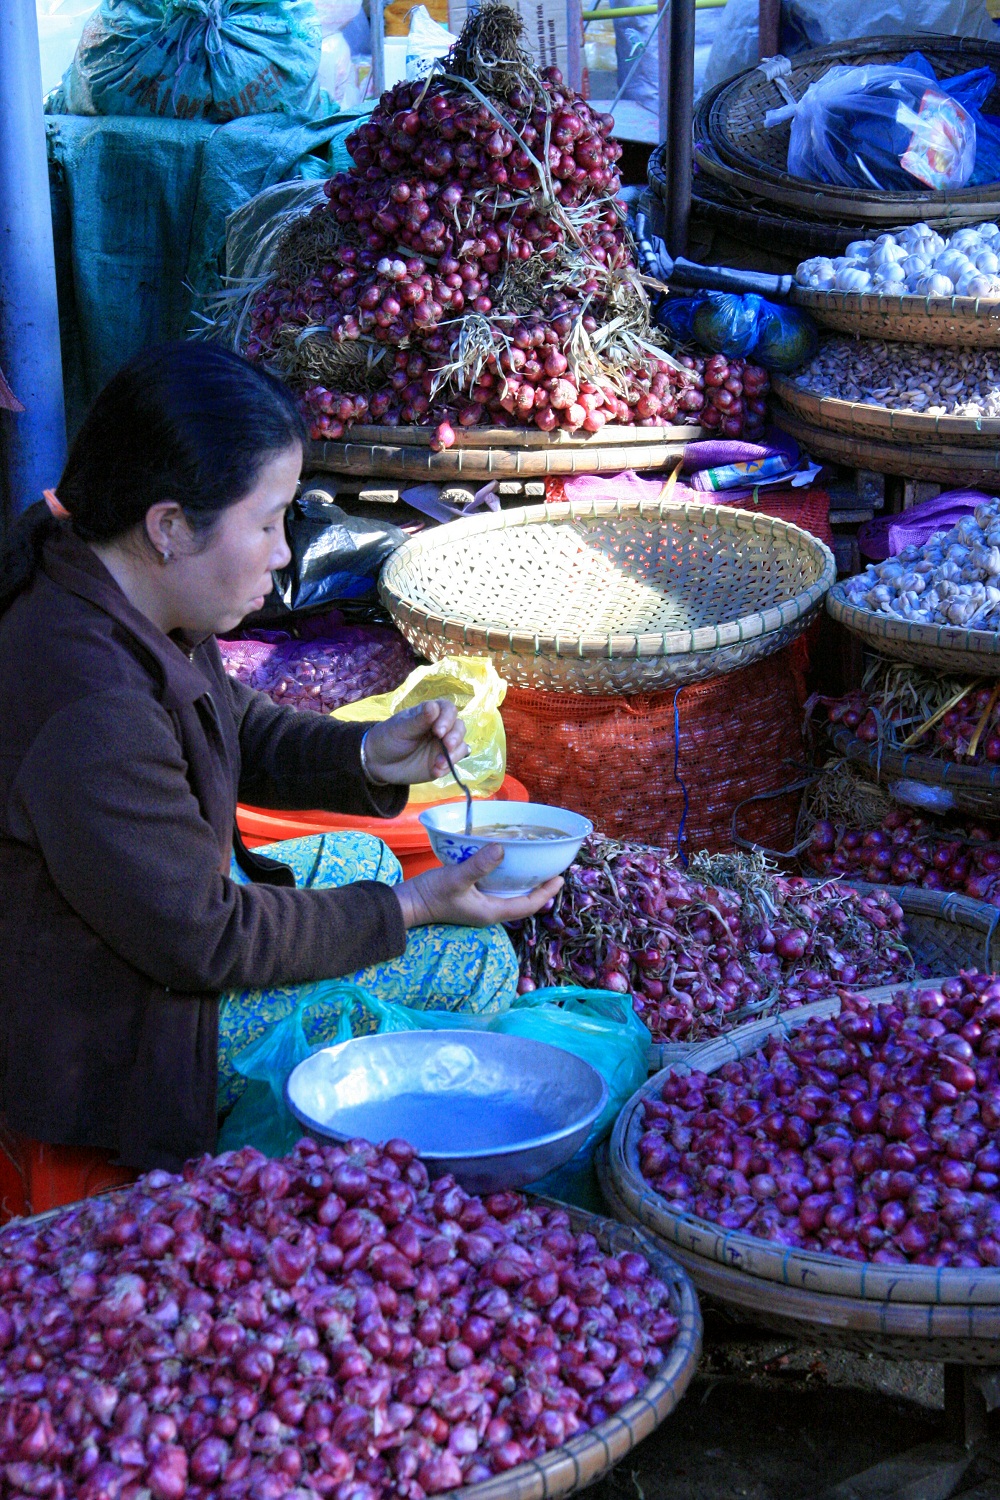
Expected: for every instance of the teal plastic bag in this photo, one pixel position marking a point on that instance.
(197, 59)
(260, 1116)
(598, 1026)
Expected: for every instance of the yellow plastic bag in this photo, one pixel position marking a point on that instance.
(472, 684)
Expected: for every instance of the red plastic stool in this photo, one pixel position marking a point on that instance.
(36, 1176)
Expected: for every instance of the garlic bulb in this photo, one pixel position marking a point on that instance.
(852, 279)
(953, 579)
(927, 262)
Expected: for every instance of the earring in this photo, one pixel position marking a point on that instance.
(165, 557)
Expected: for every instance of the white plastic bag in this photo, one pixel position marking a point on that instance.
(60, 25)
(824, 21)
(428, 40)
(879, 126)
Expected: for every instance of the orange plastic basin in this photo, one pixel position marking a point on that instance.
(36, 1177)
(404, 835)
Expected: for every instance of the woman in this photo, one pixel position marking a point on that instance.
(128, 904)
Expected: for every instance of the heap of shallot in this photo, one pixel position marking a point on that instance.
(473, 267)
(872, 1134)
(696, 956)
(326, 1325)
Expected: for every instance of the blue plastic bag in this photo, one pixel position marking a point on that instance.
(971, 90)
(742, 327)
(197, 59)
(598, 1026)
(260, 1117)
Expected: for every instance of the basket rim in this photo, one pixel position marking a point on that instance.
(822, 1274)
(905, 304)
(702, 639)
(613, 434)
(917, 767)
(938, 462)
(869, 418)
(590, 1454)
(725, 95)
(939, 637)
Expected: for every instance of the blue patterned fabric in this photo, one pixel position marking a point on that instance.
(472, 969)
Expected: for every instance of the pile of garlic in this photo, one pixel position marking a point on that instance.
(953, 579)
(916, 260)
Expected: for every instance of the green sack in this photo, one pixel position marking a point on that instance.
(261, 1117)
(598, 1026)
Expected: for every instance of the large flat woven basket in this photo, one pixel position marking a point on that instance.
(592, 1454)
(868, 421)
(910, 1312)
(734, 145)
(485, 453)
(968, 322)
(608, 597)
(973, 789)
(948, 464)
(946, 933)
(947, 648)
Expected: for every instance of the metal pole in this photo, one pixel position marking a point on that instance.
(679, 140)
(377, 24)
(574, 45)
(34, 444)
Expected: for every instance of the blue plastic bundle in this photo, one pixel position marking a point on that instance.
(742, 327)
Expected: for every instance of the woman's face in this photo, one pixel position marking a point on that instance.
(215, 583)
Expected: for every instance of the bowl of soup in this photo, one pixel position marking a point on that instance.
(538, 841)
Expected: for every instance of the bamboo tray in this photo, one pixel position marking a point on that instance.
(592, 1454)
(608, 597)
(972, 789)
(947, 932)
(969, 322)
(948, 465)
(486, 453)
(868, 421)
(947, 648)
(910, 1312)
(734, 144)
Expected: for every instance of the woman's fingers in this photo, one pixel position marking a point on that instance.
(516, 908)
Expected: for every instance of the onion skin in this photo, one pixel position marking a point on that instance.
(137, 1363)
(905, 1172)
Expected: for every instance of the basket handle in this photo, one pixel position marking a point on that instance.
(782, 791)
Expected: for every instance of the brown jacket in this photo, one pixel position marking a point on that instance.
(121, 759)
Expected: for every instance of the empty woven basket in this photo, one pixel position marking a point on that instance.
(608, 597)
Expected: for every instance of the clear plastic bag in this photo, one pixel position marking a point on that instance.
(596, 1025)
(881, 127)
(260, 1117)
(472, 684)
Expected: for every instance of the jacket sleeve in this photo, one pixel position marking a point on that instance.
(296, 760)
(103, 794)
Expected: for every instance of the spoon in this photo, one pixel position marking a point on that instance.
(465, 790)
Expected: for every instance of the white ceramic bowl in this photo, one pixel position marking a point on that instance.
(526, 862)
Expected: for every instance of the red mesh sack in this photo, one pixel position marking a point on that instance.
(619, 762)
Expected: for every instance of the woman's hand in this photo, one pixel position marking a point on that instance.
(407, 747)
(449, 895)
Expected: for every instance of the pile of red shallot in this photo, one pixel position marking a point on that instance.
(968, 732)
(871, 1135)
(907, 849)
(326, 1325)
(735, 393)
(461, 181)
(358, 661)
(698, 958)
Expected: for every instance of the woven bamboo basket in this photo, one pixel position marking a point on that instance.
(590, 1455)
(950, 466)
(608, 597)
(946, 933)
(865, 420)
(973, 789)
(908, 1312)
(486, 453)
(734, 145)
(969, 322)
(948, 648)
